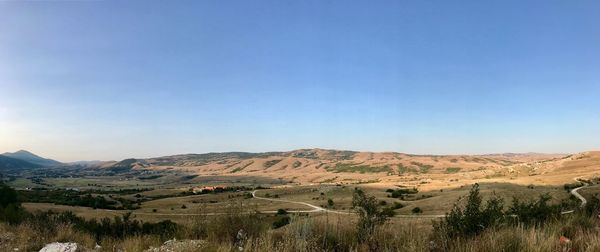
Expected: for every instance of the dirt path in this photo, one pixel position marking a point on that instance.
(320, 209)
(314, 208)
(576, 194)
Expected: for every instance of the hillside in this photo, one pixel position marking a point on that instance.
(307, 166)
(584, 165)
(32, 158)
(13, 164)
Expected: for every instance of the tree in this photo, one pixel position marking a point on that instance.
(10, 208)
(370, 214)
(8, 196)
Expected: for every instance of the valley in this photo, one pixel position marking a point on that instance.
(157, 188)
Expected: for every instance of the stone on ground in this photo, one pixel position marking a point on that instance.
(60, 247)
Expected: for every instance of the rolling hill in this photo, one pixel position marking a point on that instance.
(307, 166)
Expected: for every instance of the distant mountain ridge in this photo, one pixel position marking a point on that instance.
(327, 155)
(32, 158)
(319, 165)
(13, 164)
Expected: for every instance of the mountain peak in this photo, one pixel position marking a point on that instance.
(23, 152)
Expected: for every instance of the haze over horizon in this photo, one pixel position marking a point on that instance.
(108, 80)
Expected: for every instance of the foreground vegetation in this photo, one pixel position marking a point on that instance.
(472, 225)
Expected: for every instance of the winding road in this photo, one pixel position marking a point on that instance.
(314, 208)
(576, 194)
(321, 209)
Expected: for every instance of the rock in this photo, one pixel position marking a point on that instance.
(60, 247)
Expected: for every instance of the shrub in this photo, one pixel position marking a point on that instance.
(592, 208)
(271, 163)
(330, 203)
(388, 211)
(571, 186)
(370, 214)
(281, 221)
(472, 219)
(417, 210)
(534, 212)
(452, 169)
(397, 205)
(423, 168)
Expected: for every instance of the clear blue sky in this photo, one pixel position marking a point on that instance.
(117, 79)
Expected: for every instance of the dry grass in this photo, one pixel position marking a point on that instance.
(325, 233)
(26, 237)
(581, 231)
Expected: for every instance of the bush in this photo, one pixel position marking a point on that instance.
(417, 210)
(281, 211)
(388, 211)
(453, 169)
(10, 208)
(397, 205)
(534, 212)
(120, 227)
(571, 186)
(370, 214)
(472, 219)
(281, 221)
(592, 208)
